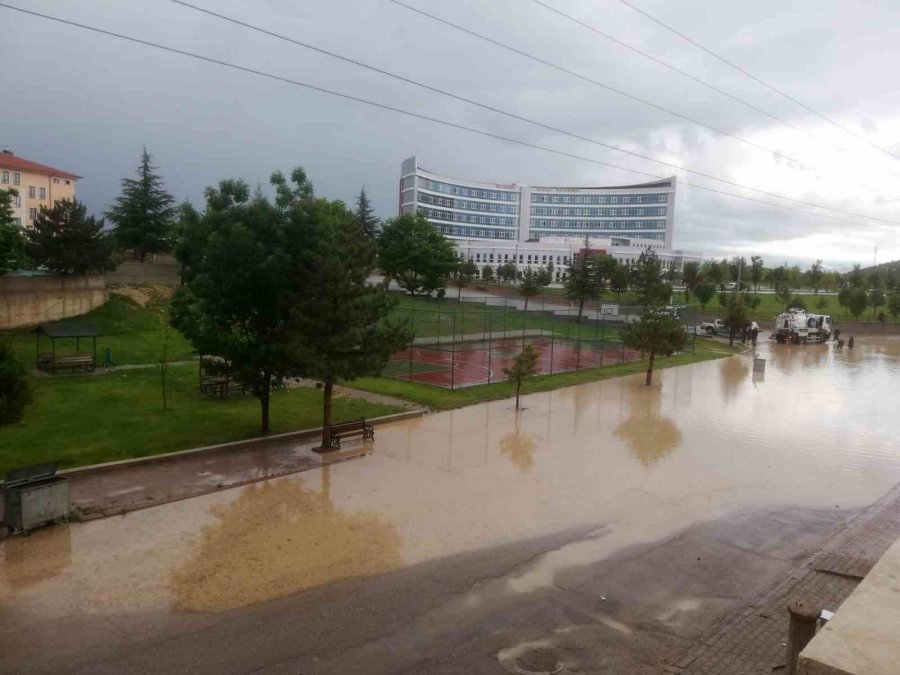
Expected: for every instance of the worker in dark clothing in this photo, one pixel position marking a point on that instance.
(837, 334)
(850, 343)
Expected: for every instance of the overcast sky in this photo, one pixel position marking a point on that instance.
(87, 103)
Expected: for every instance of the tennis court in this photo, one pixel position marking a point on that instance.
(465, 364)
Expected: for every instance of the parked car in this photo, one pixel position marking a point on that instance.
(714, 327)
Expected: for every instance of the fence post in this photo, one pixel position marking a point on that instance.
(412, 313)
(439, 324)
(602, 326)
(453, 356)
(801, 630)
(490, 342)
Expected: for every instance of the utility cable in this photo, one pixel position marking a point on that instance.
(515, 116)
(758, 80)
(427, 118)
(621, 92)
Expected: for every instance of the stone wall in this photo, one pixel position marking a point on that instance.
(27, 301)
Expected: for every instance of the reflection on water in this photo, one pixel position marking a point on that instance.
(649, 435)
(733, 373)
(519, 448)
(279, 538)
(629, 462)
(29, 560)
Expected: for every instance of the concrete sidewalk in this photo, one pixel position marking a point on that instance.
(752, 640)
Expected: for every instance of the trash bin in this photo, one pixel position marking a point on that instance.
(34, 496)
(759, 365)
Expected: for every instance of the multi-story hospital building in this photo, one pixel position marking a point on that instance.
(494, 223)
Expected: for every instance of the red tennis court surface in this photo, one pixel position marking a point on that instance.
(467, 364)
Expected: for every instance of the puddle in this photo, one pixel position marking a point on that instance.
(627, 462)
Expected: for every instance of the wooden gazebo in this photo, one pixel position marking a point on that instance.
(55, 360)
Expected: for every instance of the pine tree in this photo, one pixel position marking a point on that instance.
(144, 213)
(366, 215)
(531, 284)
(340, 320)
(15, 392)
(12, 241)
(66, 241)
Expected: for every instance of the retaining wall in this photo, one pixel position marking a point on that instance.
(27, 301)
(164, 270)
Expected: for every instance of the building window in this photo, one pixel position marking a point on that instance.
(17, 200)
(43, 193)
(68, 182)
(17, 178)
(56, 180)
(31, 192)
(32, 214)
(5, 179)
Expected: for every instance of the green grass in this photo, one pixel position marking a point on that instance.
(134, 333)
(770, 306)
(432, 317)
(86, 419)
(442, 399)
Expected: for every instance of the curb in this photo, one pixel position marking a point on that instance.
(299, 435)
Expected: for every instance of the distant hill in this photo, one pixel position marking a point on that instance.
(883, 267)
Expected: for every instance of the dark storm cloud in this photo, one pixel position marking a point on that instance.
(88, 103)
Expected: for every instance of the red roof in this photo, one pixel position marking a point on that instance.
(8, 161)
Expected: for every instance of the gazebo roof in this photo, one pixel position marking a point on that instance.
(63, 329)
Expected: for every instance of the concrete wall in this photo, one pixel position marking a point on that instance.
(26, 301)
(164, 269)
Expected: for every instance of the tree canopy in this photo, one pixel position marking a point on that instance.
(531, 283)
(646, 280)
(656, 333)
(66, 240)
(144, 213)
(523, 366)
(15, 392)
(415, 254)
(12, 241)
(365, 215)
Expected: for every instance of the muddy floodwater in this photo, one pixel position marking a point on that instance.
(632, 463)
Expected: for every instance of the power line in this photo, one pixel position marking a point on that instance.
(515, 116)
(760, 81)
(686, 74)
(633, 97)
(420, 116)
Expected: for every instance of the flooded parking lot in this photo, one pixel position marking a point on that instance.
(627, 462)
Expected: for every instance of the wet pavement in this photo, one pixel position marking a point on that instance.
(581, 478)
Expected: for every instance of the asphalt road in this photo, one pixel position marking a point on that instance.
(632, 613)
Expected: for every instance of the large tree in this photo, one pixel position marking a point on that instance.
(704, 293)
(339, 320)
(365, 215)
(647, 282)
(619, 281)
(66, 240)
(656, 333)
(692, 278)
(737, 316)
(531, 283)
(757, 270)
(12, 241)
(464, 275)
(857, 301)
(814, 276)
(240, 283)
(15, 392)
(415, 254)
(581, 280)
(893, 305)
(523, 366)
(144, 214)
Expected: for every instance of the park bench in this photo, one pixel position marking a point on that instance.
(72, 362)
(351, 429)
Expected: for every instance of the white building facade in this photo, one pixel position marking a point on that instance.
(494, 223)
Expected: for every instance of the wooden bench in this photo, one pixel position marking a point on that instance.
(351, 429)
(72, 362)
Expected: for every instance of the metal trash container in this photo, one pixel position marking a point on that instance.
(34, 496)
(759, 365)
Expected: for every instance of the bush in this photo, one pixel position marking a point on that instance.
(15, 392)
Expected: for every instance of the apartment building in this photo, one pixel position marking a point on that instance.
(35, 185)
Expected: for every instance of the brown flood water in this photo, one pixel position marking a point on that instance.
(635, 463)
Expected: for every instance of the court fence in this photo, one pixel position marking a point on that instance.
(467, 342)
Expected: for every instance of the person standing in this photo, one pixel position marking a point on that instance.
(837, 334)
(754, 332)
(850, 343)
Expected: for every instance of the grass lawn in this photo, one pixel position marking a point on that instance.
(134, 333)
(86, 419)
(430, 317)
(440, 398)
(770, 306)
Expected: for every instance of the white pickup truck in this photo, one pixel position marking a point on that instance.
(714, 327)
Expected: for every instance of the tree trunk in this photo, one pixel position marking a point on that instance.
(518, 388)
(326, 415)
(650, 369)
(731, 336)
(459, 295)
(580, 309)
(264, 401)
(526, 302)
